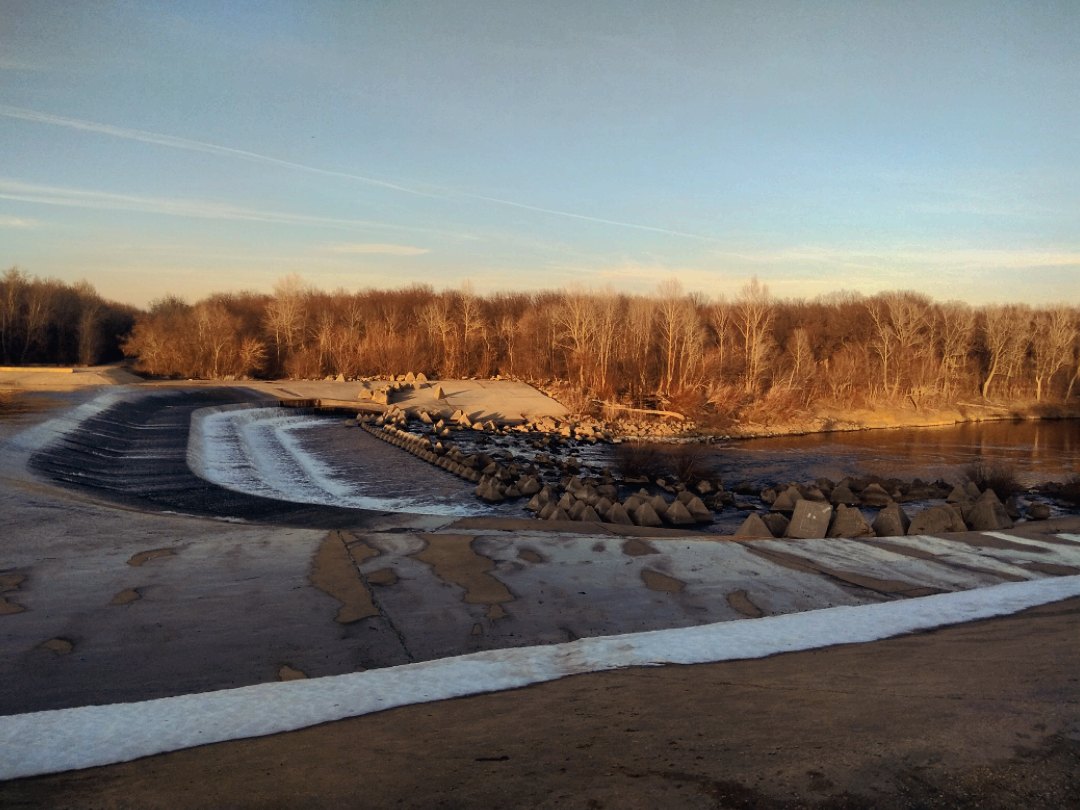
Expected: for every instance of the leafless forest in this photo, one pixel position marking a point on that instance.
(47, 321)
(744, 355)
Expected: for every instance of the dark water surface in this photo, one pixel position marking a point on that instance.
(1036, 451)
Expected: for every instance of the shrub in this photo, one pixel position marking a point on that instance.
(1070, 490)
(634, 459)
(996, 475)
(688, 462)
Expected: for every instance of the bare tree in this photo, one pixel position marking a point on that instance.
(1005, 335)
(753, 318)
(1052, 342)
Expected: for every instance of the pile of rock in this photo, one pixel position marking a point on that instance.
(383, 393)
(579, 499)
(824, 509)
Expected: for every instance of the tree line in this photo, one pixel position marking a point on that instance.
(45, 321)
(750, 354)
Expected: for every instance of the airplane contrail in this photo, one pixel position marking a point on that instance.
(175, 142)
(180, 207)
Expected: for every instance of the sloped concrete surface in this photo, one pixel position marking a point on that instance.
(109, 595)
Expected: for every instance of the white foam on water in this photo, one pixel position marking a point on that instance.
(65, 739)
(43, 434)
(257, 451)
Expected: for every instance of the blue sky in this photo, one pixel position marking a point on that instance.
(188, 147)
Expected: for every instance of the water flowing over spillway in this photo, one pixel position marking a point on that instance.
(300, 457)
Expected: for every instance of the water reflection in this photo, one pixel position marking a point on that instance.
(1037, 451)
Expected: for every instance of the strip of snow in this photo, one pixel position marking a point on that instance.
(959, 553)
(65, 739)
(1066, 555)
(1073, 538)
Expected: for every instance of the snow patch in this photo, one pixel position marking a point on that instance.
(65, 739)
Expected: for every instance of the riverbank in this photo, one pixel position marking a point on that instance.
(835, 420)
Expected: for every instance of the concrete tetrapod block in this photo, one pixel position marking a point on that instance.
(618, 514)
(645, 515)
(776, 522)
(988, 514)
(849, 522)
(787, 500)
(892, 521)
(937, 519)
(678, 515)
(753, 526)
(810, 520)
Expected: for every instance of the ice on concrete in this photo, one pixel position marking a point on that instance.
(868, 559)
(48, 742)
(1053, 552)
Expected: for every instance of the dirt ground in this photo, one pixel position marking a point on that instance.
(978, 715)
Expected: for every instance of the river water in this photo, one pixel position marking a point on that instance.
(1035, 451)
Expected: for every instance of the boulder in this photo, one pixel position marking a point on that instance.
(488, 490)
(678, 515)
(875, 495)
(988, 514)
(645, 515)
(842, 494)
(776, 522)
(849, 522)
(588, 514)
(937, 520)
(529, 485)
(421, 377)
(698, 510)
(1012, 507)
(753, 526)
(892, 521)
(809, 520)
(439, 393)
(1038, 511)
(659, 504)
(787, 500)
(957, 494)
(618, 514)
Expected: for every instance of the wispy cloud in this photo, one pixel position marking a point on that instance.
(191, 145)
(177, 207)
(915, 257)
(349, 248)
(11, 63)
(18, 222)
